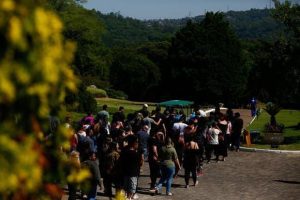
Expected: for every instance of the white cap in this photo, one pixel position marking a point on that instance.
(146, 105)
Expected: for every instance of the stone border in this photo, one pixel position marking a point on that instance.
(269, 150)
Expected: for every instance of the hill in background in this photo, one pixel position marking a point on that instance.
(122, 31)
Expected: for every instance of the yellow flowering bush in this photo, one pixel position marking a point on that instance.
(34, 75)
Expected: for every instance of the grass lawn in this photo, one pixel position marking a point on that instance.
(130, 106)
(113, 106)
(290, 119)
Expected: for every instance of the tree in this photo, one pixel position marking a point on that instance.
(85, 28)
(157, 52)
(206, 62)
(35, 73)
(133, 73)
(275, 73)
(272, 109)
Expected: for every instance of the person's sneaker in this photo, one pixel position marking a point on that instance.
(155, 190)
(196, 183)
(135, 196)
(187, 186)
(169, 194)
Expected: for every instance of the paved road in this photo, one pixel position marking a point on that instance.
(243, 176)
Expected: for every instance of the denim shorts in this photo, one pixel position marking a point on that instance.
(130, 184)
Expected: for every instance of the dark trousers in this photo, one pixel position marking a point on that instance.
(154, 172)
(107, 182)
(211, 148)
(236, 140)
(72, 191)
(187, 171)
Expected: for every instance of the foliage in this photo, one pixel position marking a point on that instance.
(96, 92)
(278, 128)
(87, 102)
(158, 53)
(275, 69)
(35, 72)
(133, 73)
(82, 101)
(118, 94)
(124, 31)
(272, 109)
(95, 80)
(254, 24)
(288, 14)
(206, 58)
(290, 119)
(83, 27)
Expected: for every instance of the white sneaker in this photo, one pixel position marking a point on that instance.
(135, 196)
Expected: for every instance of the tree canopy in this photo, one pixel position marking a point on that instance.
(207, 61)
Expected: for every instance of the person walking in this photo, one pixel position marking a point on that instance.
(169, 166)
(190, 161)
(90, 186)
(155, 143)
(237, 127)
(131, 160)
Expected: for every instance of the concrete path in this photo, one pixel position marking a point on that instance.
(243, 176)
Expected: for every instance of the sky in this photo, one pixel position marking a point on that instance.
(173, 9)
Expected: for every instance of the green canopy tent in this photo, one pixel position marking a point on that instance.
(177, 104)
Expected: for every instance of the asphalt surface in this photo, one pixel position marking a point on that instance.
(243, 176)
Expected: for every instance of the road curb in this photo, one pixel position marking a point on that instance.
(268, 150)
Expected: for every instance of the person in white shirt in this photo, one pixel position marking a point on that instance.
(213, 142)
(179, 127)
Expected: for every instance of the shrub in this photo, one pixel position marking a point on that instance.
(83, 101)
(117, 94)
(35, 73)
(87, 102)
(96, 92)
(278, 128)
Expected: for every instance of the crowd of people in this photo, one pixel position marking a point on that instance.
(115, 150)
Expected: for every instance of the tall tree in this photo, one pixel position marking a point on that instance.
(207, 62)
(275, 74)
(86, 29)
(133, 73)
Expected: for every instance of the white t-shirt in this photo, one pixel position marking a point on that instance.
(179, 126)
(213, 136)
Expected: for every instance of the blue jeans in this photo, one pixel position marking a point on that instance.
(167, 174)
(93, 192)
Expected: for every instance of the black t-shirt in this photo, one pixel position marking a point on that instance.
(152, 142)
(118, 116)
(130, 162)
(237, 126)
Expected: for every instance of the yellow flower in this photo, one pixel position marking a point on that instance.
(7, 89)
(7, 5)
(41, 22)
(77, 177)
(15, 30)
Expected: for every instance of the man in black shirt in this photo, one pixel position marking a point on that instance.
(131, 161)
